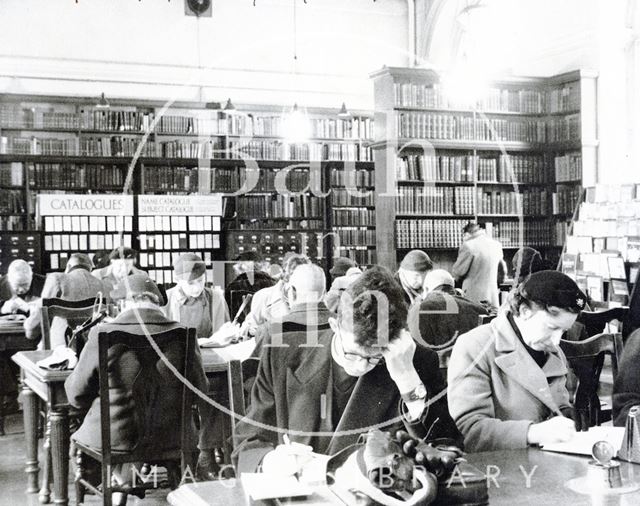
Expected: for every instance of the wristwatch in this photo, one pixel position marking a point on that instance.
(419, 393)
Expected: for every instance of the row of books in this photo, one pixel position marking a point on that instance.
(563, 129)
(232, 179)
(88, 224)
(565, 199)
(178, 179)
(361, 256)
(179, 241)
(533, 233)
(168, 224)
(354, 217)
(324, 128)
(534, 101)
(425, 201)
(360, 178)
(429, 233)
(278, 150)
(462, 168)
(458, 168)
(342, 197)
(209, 122)
(531, 202)
(608, 193)
(9, 223)
(568, 167)
(424, 125)
(356, 236)
(12, 202)
(115, 145)
(84, 242)
(207, 149)
(75, 176)
(279, 206)
(11, 174)
(37, 146)
(434, 95)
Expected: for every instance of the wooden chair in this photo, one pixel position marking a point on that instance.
(148, 389)
(444, 354)
(586, 359)
(595, 321)
(75, 312)
(238, 373)
(486, 318)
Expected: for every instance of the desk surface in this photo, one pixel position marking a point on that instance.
(27, 361)
(548, 474)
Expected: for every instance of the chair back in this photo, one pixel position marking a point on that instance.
(486, 318)
(74, 311)
(239, 373)
(586, 359)
(147, 369)
(595, 321)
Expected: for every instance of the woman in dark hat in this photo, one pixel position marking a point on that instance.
(411, 273)
(507, 380)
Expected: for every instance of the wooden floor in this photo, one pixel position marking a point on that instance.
(13, 480)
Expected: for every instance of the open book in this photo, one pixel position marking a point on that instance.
(582, 442)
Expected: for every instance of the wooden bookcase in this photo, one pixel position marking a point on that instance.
(440, 164)
(66, 145)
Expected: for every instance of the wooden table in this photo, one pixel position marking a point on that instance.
(38, 383)
(507, 483)
(12, 339)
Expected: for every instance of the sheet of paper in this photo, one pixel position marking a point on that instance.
(261, 486)
(582, 442)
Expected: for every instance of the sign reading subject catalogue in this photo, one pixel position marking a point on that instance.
(85, 205)
(180, 205)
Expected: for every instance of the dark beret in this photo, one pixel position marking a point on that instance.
(340, 266)
(553, 288)
(123, 253)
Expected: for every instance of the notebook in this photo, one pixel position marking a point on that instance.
(582, 442)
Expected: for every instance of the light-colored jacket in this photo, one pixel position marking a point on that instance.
(477, 266)
(266, 305)
(207, 313)
(496, 390)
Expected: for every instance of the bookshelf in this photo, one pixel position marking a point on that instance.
(515, 160)
(60, 145)
(607, 225)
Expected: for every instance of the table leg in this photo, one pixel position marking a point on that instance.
(30, 414)
(45, 492)
(60, 456)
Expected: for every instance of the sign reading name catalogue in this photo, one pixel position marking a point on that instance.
(85, 205)
(180, 205)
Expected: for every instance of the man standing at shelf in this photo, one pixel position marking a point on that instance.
(479, 264)
(121, 264)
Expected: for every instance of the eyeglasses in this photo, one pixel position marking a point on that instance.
(355, 357)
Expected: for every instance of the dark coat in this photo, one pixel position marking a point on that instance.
(241, 286)
(82, 386)
(288, 392)
(443, 315)
(6, 293)
(626, 387)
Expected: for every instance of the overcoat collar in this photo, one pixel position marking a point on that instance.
(512, 358)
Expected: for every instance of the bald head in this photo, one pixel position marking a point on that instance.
(19, 276)
(308, 284)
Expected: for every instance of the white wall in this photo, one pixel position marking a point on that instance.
(149, 48)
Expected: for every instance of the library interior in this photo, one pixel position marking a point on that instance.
(373, 252)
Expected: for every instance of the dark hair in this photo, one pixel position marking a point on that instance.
(473, 226)
(360, 305)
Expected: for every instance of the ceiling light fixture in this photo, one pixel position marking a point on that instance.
(344, 113)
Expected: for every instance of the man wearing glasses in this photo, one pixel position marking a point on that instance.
(361, 372)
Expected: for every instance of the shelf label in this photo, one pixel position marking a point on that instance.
(180, 205)
(84, 205)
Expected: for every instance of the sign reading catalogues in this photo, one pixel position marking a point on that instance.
(180, 205)
(85, 205)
